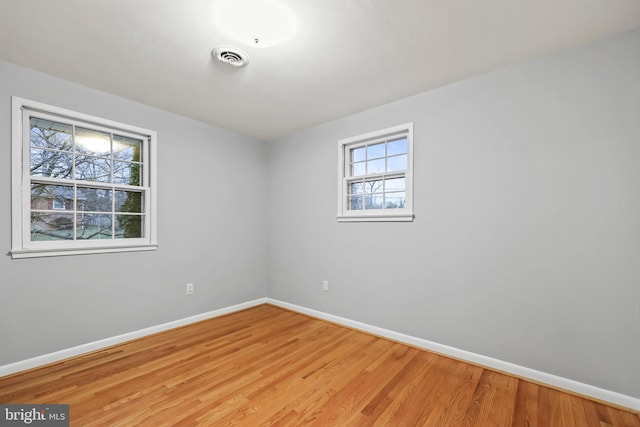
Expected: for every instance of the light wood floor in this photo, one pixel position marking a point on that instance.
(269, 366)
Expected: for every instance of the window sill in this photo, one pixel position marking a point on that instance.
(408, 217)
(38, 253)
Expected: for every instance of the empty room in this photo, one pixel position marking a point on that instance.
(328, 213)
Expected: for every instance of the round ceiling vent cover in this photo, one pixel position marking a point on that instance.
(231, 55)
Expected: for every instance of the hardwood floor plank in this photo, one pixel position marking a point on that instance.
(351, 399)
(267, 366)
(435, 399)
(456, 403)
(526, 407)
(478, 410)
(591, 414)
(407, 392)
(544, 408)
(622, 419)
(503, 404)
(562, 411)
(383, 399)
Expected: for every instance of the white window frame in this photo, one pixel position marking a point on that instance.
(344, 176)
(21, 244)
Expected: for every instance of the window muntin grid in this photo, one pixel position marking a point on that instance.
(98, 164)
(377, 175)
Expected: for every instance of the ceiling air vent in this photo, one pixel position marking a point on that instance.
(231, 55)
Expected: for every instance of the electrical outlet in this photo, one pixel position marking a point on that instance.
(189, 288)
(325, 285)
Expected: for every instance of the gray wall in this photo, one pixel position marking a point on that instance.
(211, 230)
(526, 242)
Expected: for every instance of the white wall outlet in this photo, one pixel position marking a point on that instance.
(325, 285)
(189, 288)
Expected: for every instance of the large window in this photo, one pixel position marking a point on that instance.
(80, 184)
(375, 176)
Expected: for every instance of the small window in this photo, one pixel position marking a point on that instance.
(80, 184)
(58, 204)
(376, 176)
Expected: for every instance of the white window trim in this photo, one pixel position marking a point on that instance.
(375, 215)
(21, 245)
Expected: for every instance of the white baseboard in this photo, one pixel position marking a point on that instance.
(57, 356)
(583, 389)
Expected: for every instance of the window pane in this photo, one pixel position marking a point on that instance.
(397, 163)
(129, 227)
(127, 173)
(94, 226)
(93, 142)
(375, 166)
(375, 151)
(129, 201)
(93, 169)
(358, 154)
(354, 203)
(356, 188)
(94, 200)
(47, 197)
(394, 200)
(126, 148)
(373, 201)
(51, 226)
(358, 169)
(48, 134)
(54, 164)
(60, 204)
(399, 146)
(394, 184)
(373, 186)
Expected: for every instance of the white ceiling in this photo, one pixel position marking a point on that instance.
(347, 56)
